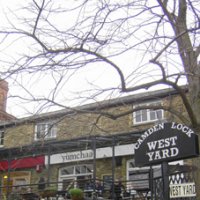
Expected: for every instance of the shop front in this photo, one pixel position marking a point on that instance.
(78, 168)
(17, 173)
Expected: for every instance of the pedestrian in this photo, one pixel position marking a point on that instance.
(41, 184)
(99, 188)
(118, 189)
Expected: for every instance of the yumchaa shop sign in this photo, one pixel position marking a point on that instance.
(166, 142)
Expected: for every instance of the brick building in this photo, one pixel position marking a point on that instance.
(3, 101)
(69, 146)
(4, 116)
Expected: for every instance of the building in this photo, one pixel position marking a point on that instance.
(73, 146)
(3, 101)
(4, 116)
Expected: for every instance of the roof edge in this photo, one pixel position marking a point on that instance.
(151, 95)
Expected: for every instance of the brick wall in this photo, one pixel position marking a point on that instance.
(18, 136)
(87, 124)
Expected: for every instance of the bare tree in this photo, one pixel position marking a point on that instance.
(143, 44)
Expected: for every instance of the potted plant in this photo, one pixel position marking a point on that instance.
(76, 194)
(49, 192)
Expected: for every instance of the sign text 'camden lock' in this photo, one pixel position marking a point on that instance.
(165, 142)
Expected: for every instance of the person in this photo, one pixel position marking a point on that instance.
(89, 186)
(41, 184)
(99, 188)
(118, 189)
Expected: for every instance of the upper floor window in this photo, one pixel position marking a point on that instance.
(148, 115)
(76, 170)
(1, 138)
(45, 130)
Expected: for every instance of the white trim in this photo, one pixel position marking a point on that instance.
(72, 176)
(49, 134)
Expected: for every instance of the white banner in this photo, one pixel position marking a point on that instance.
(106, 152)
(182, 190)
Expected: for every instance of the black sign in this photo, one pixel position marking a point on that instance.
(107, 182)
(166, 142)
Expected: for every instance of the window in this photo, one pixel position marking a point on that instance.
(46, 130)
(1, 138)
(138, 177)
(76, 170)
(20, 181)
(75, 176)
(148, 115)
(17, 178)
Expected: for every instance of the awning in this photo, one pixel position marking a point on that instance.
(28, 162)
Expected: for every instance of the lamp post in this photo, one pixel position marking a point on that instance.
(165, 175)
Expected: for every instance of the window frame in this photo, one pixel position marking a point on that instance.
(2, 138)
(148, 113)
(74, 175)
(50, 130)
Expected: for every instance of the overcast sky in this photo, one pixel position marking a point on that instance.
(98, 76)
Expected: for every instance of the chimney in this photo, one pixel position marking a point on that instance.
(3, 95)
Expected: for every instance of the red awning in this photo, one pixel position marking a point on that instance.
(29, 162)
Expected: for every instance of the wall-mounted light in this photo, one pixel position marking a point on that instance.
(5, 177)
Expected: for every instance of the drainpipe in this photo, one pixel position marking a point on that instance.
(113, 166)
(48, 165)
(94, 163)
(8, 179)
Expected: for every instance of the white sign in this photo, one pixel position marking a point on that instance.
(182, 190)
(81, 155)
